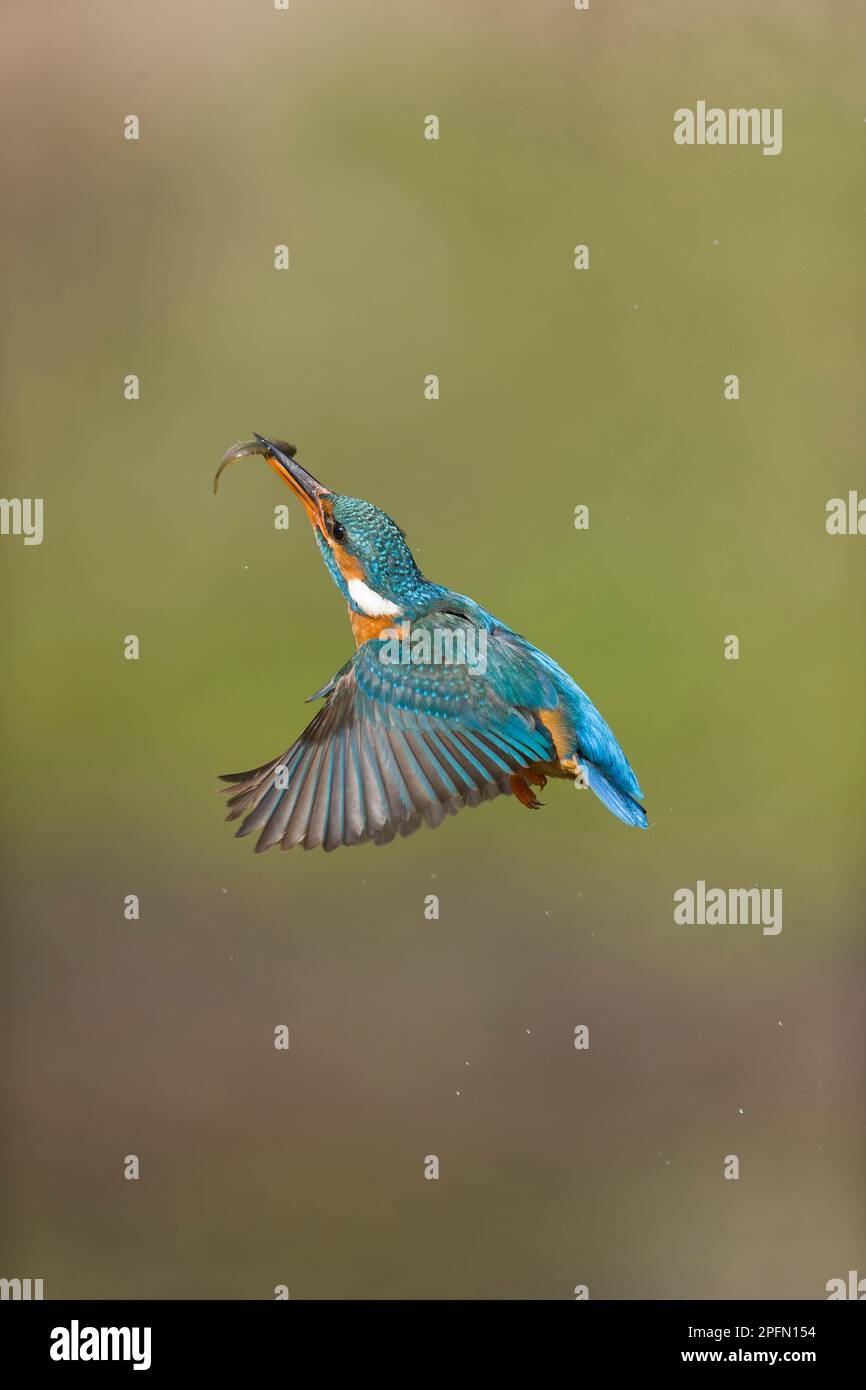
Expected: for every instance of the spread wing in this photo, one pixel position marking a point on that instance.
(400, 744)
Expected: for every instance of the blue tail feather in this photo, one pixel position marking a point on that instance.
(623, 806)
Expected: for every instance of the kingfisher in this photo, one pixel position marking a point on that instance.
(442, 705)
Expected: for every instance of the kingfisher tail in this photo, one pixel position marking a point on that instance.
(623, 806)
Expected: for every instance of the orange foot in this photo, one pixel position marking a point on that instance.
(524, 793)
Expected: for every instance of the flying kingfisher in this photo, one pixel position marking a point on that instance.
(442, 706)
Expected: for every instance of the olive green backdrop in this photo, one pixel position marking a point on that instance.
(412, 1037)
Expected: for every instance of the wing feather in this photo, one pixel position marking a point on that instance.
(391, 750)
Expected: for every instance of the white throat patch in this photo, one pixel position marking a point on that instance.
(369, 602)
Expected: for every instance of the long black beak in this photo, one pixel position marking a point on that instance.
(281, 458)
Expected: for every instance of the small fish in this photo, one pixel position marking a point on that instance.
(253, 448)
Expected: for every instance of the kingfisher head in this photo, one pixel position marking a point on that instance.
(365, 551)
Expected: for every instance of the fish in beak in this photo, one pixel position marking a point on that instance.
(281, 458)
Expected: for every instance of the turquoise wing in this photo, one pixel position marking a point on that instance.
(406, 737)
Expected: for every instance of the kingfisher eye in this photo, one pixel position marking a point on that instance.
(338, 531)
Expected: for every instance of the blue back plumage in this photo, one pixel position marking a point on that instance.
(537, 682)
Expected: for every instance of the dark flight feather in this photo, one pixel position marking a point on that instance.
(378, 760)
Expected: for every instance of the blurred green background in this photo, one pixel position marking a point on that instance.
(604, 387)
